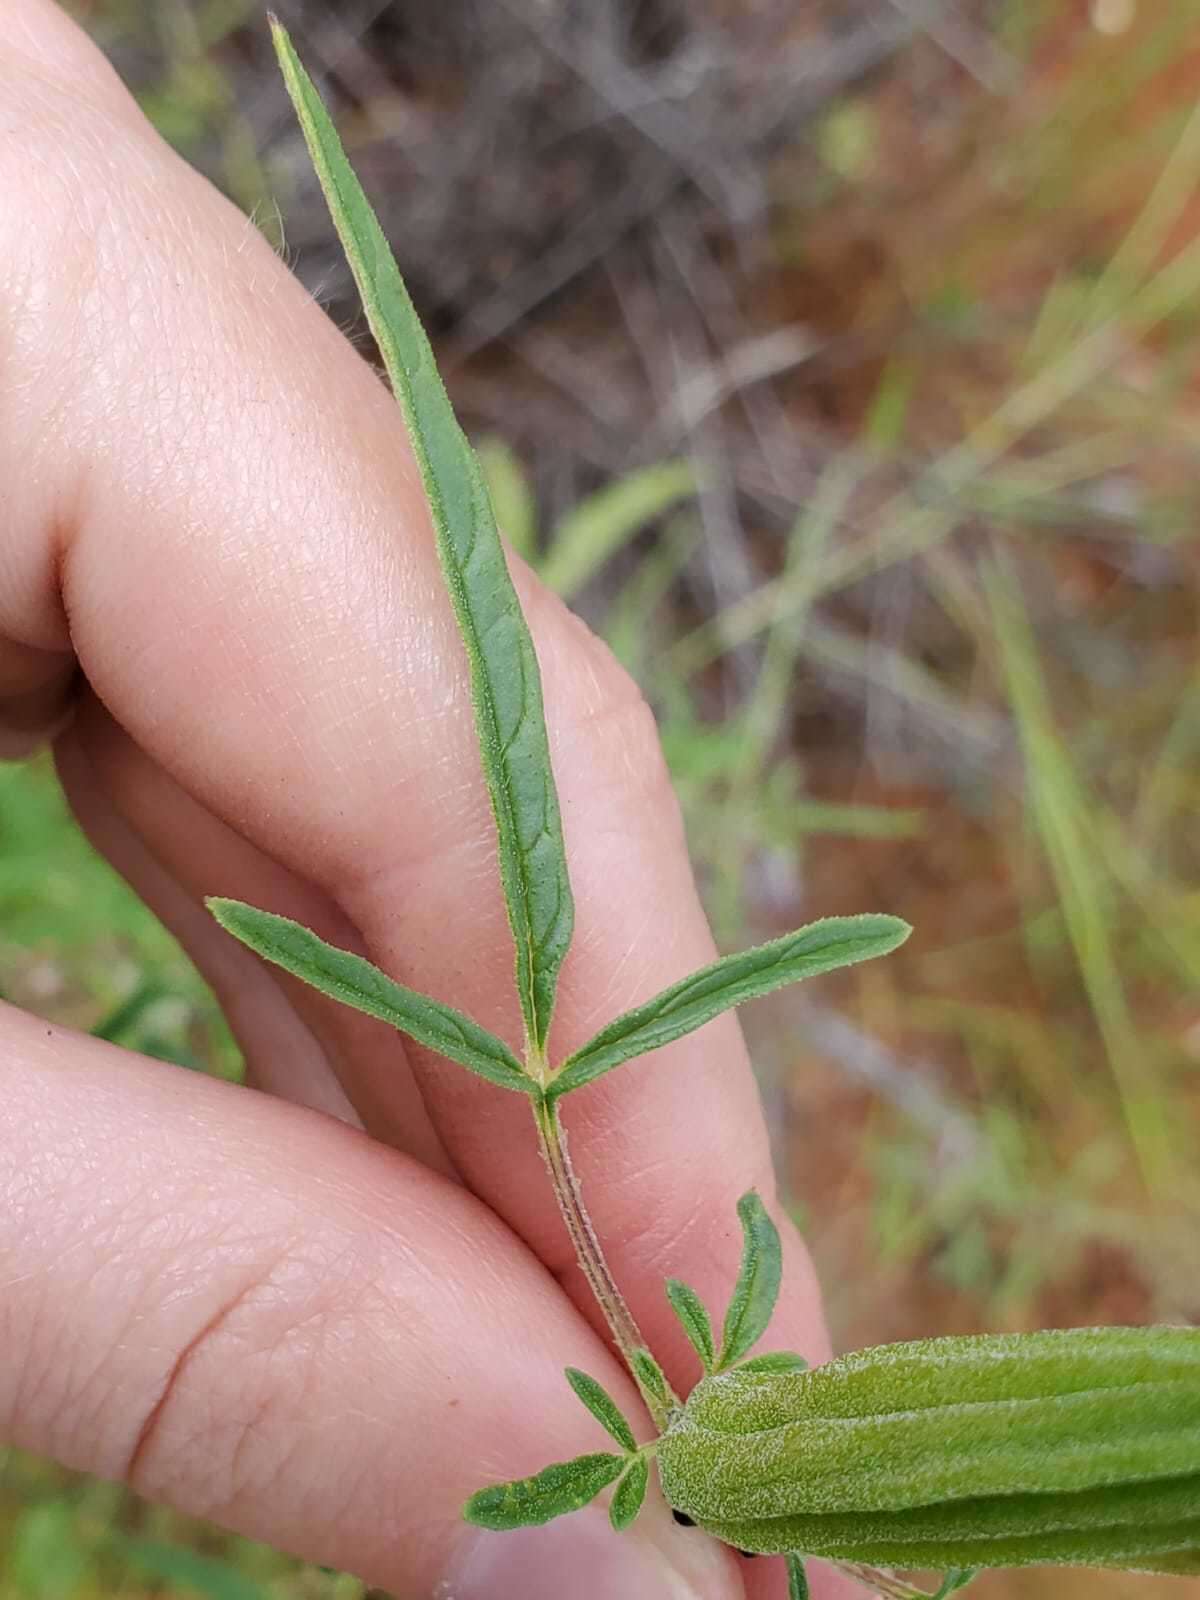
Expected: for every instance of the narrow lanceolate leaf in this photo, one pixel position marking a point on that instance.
(757, 1287)
(652, 1379)
(629, 1494)
(775, 1361)
(797, 1579)
(822, 946)
(603, 1407)
(954, 1580)
(689, 1308)
(355, 982)
(553, 1492)
(1080, 1448)
(504, 672)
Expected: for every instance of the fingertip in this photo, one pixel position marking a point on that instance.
(581, 1556)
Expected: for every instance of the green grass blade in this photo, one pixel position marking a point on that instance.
(596, 529)
(505, 682)
(190, 1571)
(553, 1492)
(757, 1289)
(820, 947)
(355, 982)
(1061, 812)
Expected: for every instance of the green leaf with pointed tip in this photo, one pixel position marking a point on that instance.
(630, 1492)
(820, 947)
(757, 1286)
(355, 982)
(505, 681)
(954, 1580)
(553, 1492)
(774, 1361)
(651, 1376)
(797, 1578)
(603, 1407)
(689, 1308)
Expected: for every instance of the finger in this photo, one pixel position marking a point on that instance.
(292, 663)
(278, 1049)
(261, 1316)
(296, 1043)
(36, 694)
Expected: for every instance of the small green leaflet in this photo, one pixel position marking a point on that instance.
(954, 1580)
(652, 1378)
(505, 682)
(757, 1286)
(797, 1578)
(355, 982)
(603, 1407)
(820, 947)
(689, 1308)
(775, 1361)
(556, 1490)
(630, 1492)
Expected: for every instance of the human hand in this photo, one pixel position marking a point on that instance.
(325, 1314)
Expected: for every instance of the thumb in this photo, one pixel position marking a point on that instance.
(582, 1557)
(258, 1315)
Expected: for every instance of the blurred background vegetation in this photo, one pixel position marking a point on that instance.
(838, 362)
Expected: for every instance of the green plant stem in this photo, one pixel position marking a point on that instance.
(625, 1331)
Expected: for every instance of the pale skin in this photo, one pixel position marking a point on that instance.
(324, 1310)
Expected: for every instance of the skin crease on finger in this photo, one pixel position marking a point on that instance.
(215, 507)
(170, 848)
(307, 1332)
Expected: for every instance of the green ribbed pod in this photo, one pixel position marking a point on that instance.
(1080, 1447)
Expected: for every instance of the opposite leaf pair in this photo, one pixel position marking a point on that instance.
(953, 1453)
(819, 947)
(507, 697)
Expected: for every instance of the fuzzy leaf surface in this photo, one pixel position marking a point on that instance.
(757, 1288)
(685, 1006)
(690, 1310)
(602, 1406)
(651, 1376)
(553, 1492)
(356, 982)
(630, 1492)
(1079, 1447)
(505, 681)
